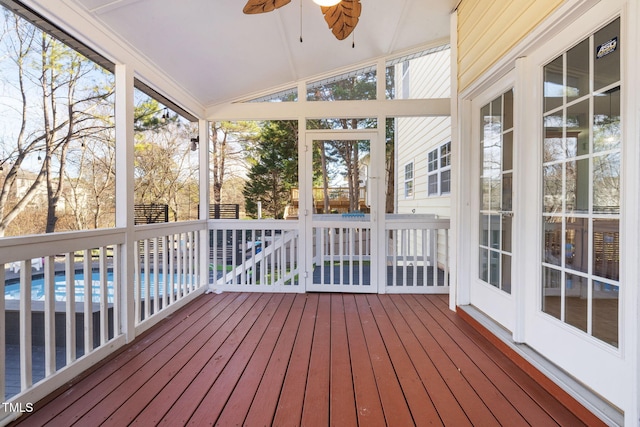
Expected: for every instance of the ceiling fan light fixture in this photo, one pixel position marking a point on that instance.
(326, 3)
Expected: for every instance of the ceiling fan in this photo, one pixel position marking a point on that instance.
(342, 16)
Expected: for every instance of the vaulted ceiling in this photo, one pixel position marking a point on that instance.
(216, 53)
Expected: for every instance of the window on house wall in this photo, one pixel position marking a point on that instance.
(439, 170)
(57, 173)
(408, 180)
(581, 185)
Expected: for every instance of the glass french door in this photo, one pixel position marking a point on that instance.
(341, 212)
(494, 142)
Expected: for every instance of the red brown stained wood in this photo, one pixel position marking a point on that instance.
(274, 359)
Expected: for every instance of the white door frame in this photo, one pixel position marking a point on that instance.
(496, 303)
(374, 220)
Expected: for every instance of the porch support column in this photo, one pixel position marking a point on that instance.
(124, 115)
(456, 156)
(203, 214)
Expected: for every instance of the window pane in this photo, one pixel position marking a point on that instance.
(508, 110)
(485, 194)
(605, 312)
(343, 123)
(578, 177)
(576, 293)
(496, 194)
(552, 191)
(578, 71)
(432, 164)
(506, 273)
(607, 62)
(507, 194)
(494, 231)
(551, 292)
(606, 120)
(606, 248)
(408, 171)
(433, 184)
(506, 233)
(408, 189)
(552, 240)
(553, 147)
(485, 122)
(445, 182)
(606, 183)
(578, 129)
(445, 155)
(507, 151)
(553, 85)
(484, 230)
(494, 270)
(433, 65)
(577, 244)
(355, 85)
(483, 273)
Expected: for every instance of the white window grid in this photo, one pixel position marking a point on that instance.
(408, 180)
(439, 170)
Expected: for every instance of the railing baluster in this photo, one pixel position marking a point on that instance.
(88, 301)
(156, 278)
(49, 316)
(425, 245)
(117, 256)
(26, 371)
(104, 297)
(70, 307)
(415, 257)
(172, 274)
(273, 258)
(445, 262)
(147, 281)
(137, 284)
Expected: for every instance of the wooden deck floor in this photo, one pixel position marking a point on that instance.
(311, 360)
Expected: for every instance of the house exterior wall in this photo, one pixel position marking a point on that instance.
(426, 77)
(487, 29)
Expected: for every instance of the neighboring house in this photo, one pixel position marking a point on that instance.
(424, 143)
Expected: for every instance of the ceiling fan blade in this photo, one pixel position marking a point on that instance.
(343, 17)
(262, 6)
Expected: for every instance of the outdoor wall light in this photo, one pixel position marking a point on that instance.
(194, 143)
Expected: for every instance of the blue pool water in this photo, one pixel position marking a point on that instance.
(12, 291)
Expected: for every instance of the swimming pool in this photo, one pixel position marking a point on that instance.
(12, 290)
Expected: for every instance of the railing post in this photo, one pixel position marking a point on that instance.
(203, 170)
(124, 193)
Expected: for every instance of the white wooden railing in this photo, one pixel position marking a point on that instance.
(139, 277)
(417, 248)
(85, 297)
(260, 255)
(167, 268)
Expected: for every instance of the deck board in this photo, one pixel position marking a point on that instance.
(307, 359)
